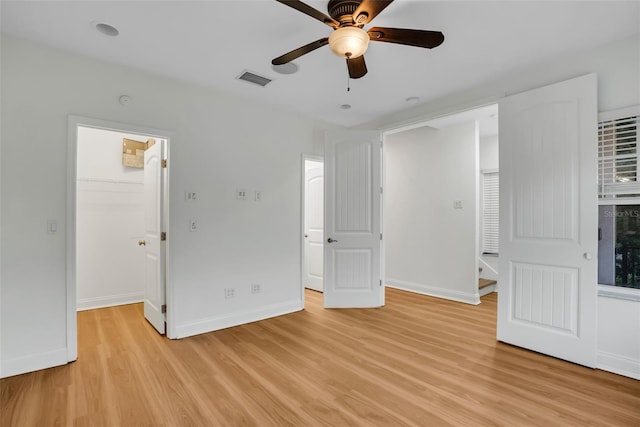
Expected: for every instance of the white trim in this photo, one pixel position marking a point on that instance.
(619, 201)
(33, 362)
(619, 292)
(486, 265)
(73, 122)
(211, 324)
(434, 291)
(618, 364)
(109, 301)
(488, 289)
(633, 110)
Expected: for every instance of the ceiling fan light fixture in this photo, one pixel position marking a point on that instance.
(349, 42)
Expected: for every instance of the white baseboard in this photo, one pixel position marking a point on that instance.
(109, 301)
(434, 291)
(617, 364)
(34, 362)
(234, 319)
(487, 290)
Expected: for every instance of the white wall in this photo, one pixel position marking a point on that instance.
(488, 152)
(109, 222)
(619, 336)
(489, 160)
(618, 67)
(430, 247)
(220, 143)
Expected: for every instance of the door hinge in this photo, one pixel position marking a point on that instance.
(380, 236)
(163, 236)
(381, 282)
(163, 308)
(380, 190)
(164, 163)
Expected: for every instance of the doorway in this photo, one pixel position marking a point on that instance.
(109, 210)
(479, 127)
(313, 223)
(107, 216)
(433, 203)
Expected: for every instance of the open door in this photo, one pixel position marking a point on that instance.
(154, 294)
(547, 296)
(353, 238)
(314, 227)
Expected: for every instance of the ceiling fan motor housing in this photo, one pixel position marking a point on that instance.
(342, 11)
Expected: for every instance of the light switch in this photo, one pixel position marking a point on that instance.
(258, 196)
(457, 204)
(52, 227)
(193, 225)
(190, 196)
(241, 194)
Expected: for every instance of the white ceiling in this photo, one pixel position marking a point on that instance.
(212, 42)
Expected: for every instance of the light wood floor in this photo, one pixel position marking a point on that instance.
(417, 361)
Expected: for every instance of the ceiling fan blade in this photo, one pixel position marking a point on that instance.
(297, 53)
(419, 38)
(368, 10)
(308, 10)
(357, 67)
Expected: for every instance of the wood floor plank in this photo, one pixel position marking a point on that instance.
(418, 361)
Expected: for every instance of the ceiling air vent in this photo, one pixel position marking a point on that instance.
(250, 77)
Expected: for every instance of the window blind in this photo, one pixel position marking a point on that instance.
(618, 157)
(490, 212)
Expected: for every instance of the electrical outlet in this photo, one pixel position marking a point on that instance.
(229, 293)
(193, 225)
(255, 288)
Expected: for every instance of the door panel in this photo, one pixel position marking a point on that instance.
(154, 297)
(548, 213)
(352, 220)
(314, 228)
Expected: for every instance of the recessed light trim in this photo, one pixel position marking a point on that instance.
(106, 29)
(412, 100)
(345, 106)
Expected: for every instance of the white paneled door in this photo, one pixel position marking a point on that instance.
(548, 211)
(314, 228)
(154, 294)
(352, 238)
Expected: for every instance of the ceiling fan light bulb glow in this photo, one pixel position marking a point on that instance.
(349, 42)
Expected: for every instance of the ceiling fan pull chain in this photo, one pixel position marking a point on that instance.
(348, 77)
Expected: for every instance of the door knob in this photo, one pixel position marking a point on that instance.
(587, 256)
(142, 243)
(330, 240)
(306, 235)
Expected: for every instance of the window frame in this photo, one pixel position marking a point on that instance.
(606, 290)
(483, 174)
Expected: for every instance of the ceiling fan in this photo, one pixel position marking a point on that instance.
(349, 40)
